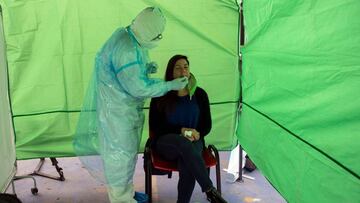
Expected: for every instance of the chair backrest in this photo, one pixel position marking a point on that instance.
(209, 158)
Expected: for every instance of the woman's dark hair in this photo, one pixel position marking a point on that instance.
(167, 102)
(171, 64)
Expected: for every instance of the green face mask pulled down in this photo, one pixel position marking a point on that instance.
(192, 84)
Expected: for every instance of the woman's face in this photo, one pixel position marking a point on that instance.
(181, 69)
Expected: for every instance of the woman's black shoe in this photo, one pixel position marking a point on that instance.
(214, 196)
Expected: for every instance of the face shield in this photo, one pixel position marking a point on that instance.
(148, 27)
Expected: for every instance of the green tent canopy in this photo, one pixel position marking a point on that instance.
(300, 80)
(300, 121)
(51, 47)
(7, 141)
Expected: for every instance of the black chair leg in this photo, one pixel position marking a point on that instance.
(148, 174)
(218, 177)
(149, 185)
(218, 174)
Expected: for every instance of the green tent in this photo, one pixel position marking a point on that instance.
(51, 47)
(299, 82)
(7, 141)
(300, 121)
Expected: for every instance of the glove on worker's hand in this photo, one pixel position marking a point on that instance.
(178, 83)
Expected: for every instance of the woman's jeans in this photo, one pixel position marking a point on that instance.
(191, 166)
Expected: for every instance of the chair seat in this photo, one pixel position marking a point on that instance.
(160, 163)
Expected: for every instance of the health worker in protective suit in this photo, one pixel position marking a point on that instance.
(122, 69)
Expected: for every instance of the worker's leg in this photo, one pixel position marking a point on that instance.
(119, 154)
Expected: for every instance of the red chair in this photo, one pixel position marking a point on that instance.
(155, 165)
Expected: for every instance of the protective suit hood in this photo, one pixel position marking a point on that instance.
(148, 26)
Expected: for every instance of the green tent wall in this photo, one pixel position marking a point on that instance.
(300, 121)
(50, 52)
(7, 140)
(300, 80)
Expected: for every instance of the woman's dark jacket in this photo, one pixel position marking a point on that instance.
(159, 125)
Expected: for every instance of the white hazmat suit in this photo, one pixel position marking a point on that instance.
(121, 85)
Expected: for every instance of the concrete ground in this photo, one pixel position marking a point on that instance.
(80, 187)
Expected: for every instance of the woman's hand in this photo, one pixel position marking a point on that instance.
(190, 133)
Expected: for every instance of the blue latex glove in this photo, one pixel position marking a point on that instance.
(178, 83)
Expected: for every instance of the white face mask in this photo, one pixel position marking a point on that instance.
(148, 44)
(148, 26)
(152, 43)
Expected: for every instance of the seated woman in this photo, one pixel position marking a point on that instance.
(179, 121)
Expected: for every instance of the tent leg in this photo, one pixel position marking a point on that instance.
(13, 186)
(54, 163)
(240, 179)
(34, 190)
